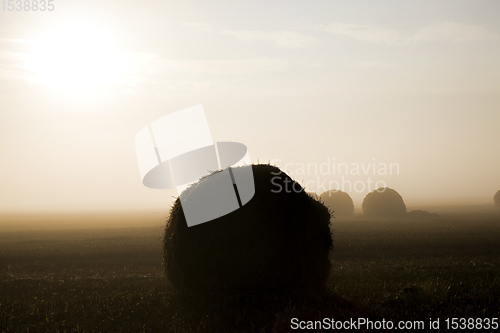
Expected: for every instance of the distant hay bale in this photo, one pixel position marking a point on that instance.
(496, 198)
(384, 202)
(339, 202)
(280, 240)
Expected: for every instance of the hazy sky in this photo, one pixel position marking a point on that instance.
(413, 83)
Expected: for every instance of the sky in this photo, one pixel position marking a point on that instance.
(370, 84)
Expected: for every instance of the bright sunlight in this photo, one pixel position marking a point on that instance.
(77, 56)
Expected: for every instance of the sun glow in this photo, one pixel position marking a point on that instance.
(77, 56)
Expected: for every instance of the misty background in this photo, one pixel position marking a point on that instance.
(416, 84)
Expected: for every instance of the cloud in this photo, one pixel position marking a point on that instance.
(362, 32)
(145, 64)
(286, 39)
(444, 31)
(235, 67)
(282, 38)
(153, 72)
(15, 66)
(451, 31)
(138, 68)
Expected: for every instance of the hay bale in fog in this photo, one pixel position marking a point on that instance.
(496, 198)
(279, 240)
(384, 202)
(339, 202)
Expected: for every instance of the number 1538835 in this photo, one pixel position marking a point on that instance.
(27, 5)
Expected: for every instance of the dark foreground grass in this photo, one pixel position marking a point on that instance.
(111, 280)
(148, 305)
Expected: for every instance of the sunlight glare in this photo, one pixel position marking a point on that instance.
(77, 56)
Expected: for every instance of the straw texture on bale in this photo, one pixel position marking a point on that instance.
(384, 202)
(313, 195)
(496, 198)
(339, 202)
(279, 240)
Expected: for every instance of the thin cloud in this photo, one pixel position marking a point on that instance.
(286, 39)
(150, 71)
(145, 64)
(362, 32)
(444, 31)
(238, 67)
(146, 69)
(451, 31)
(281, 38)
(15, 66)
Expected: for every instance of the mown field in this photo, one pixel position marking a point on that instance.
(103, 273)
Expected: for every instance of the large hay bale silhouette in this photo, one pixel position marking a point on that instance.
(339, 202)
(384, 202)
(496, 198)
(279, 240)
(313, 195)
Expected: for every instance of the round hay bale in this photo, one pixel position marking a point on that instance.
(339, 202)
(279, 240)
(384, 202)
(313, 195)
(496, 198)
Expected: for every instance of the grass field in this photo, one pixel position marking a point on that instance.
(103, 273)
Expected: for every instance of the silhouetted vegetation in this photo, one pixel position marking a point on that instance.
(339, 202)
(277, 242)
(384, 203)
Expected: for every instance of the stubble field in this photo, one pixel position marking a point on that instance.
(104, 273)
